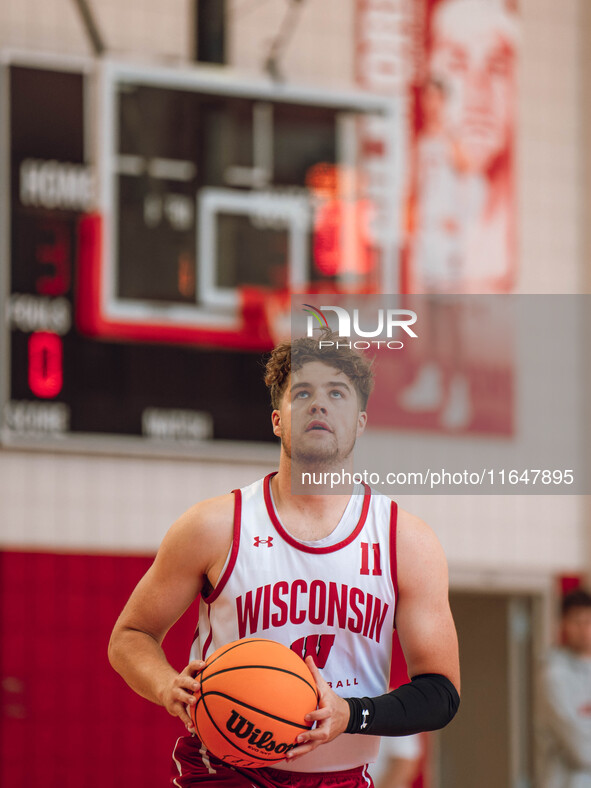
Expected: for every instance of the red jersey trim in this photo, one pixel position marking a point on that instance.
(234, 554)
(209, 637)
(393, 557)
(308, 548)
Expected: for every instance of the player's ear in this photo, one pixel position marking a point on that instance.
(276, 421)
(361, 422)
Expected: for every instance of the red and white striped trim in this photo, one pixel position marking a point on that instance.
(309, 548)
(234, 554)
(393, 553)
(205, 759)
(177, 762)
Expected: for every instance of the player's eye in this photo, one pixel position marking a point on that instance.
(301, 394)
(336, 393)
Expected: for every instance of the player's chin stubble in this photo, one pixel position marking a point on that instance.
(319, 458)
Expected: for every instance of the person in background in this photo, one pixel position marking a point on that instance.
(566, 698)
(398, 763)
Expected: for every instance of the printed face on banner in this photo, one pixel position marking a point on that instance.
(461, 225)
(456, 62)
(472, 56)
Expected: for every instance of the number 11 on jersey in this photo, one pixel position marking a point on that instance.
(377, 569)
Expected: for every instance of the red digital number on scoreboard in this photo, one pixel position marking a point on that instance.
(45, 364)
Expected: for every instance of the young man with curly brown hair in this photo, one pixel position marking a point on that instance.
(334, 575)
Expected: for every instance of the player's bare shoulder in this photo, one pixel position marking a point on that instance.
(418, 549)
(201, 537)
(423, 617)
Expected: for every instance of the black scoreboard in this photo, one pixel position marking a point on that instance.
(150, 226)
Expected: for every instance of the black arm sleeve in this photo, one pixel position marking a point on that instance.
(428, 703)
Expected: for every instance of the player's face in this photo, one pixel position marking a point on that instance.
(576, 627)
(476, 64)
(319, 419)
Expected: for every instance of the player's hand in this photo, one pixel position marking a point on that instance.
(331, 717)
(178, 694)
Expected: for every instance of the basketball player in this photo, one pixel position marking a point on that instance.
(327, 575)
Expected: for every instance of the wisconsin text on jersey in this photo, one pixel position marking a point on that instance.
(317, 602)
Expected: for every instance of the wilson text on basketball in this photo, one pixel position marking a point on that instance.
(242, 728)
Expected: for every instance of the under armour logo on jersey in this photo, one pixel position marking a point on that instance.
(258, 541)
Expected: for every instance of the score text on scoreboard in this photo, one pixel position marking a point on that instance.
(51, 184)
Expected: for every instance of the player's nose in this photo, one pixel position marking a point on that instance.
(318, 404)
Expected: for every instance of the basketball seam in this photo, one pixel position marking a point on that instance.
(236, 645)
(263, 667)
(254, 708)
(199, 700)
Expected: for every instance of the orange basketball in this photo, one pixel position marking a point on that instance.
(253, 699)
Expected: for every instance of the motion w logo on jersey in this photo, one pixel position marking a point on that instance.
(316, 646)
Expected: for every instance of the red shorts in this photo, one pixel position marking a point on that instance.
(193, 764)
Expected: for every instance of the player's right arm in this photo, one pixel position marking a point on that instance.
(192, 553)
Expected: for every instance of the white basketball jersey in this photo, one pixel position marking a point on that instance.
(333, 599)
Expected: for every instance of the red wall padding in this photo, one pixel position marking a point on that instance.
(67, 718)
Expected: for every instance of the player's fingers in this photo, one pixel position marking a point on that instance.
(188, 683)
(320, 682)
(317, 735)
(178, 710)
(318, 714)
(194, 666)
(302, 749)
(181, 695)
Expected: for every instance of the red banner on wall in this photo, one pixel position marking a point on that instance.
(455, 63)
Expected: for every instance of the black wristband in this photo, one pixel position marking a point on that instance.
(428, 703)
(362, 710)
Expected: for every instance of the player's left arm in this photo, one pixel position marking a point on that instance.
(424, 621)
(428, 638)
